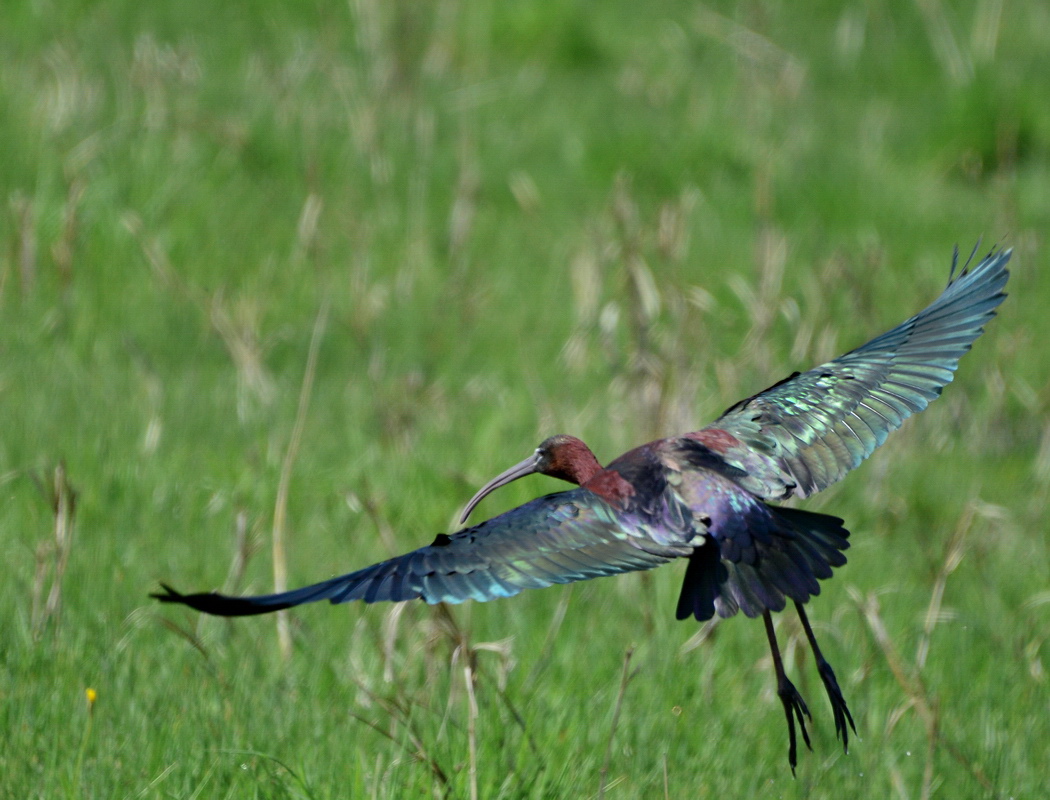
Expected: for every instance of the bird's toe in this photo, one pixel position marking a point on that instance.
(838, 704)
(794, 709)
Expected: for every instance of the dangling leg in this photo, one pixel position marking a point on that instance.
(827, 674)
(794, 705)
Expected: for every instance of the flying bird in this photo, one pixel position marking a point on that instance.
(705, 496)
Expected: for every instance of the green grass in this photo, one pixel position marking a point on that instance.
(479, 189)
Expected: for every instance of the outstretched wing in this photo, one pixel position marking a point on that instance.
(818, 425)
(560, 538)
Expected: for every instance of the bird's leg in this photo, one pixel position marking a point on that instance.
(827, 674)
(794, 705)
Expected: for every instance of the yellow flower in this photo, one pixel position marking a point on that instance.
(92, 695)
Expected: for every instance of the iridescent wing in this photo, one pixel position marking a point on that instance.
(818, 425)
(561, 538)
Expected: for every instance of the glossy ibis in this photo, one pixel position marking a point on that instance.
(703, 496)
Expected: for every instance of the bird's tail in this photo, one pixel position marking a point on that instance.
(792, 550)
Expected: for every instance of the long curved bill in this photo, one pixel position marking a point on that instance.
(519, 470)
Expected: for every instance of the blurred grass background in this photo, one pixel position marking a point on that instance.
(611, 220)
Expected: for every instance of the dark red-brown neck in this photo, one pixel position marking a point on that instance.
(569, 459)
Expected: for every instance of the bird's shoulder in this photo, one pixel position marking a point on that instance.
(714, 453)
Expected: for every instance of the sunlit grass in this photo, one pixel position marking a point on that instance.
(523, 219)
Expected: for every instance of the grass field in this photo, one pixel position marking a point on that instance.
(491, 222)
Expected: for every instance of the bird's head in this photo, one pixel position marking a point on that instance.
(562, 456)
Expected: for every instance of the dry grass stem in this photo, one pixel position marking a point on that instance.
(62, 250)
(26, 247)
(399, 715)
(625, 678)
(745, 41)
(194, 640)
(306, 230)
(238, 330)
(391, 625)
(280, 512)
(924, 702)
(62, 498)
(160, 264)
(552, 634)
(955, 63)
(954, 553)
(518, 718)
(244, 547)
(372, 505)
(472, 723)
(701, 637)
(464, 206)
(462, 649)
(984, 38)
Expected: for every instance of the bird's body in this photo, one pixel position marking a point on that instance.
(705, 496)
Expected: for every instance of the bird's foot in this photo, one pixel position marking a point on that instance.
(838, 703)
(794, 707)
